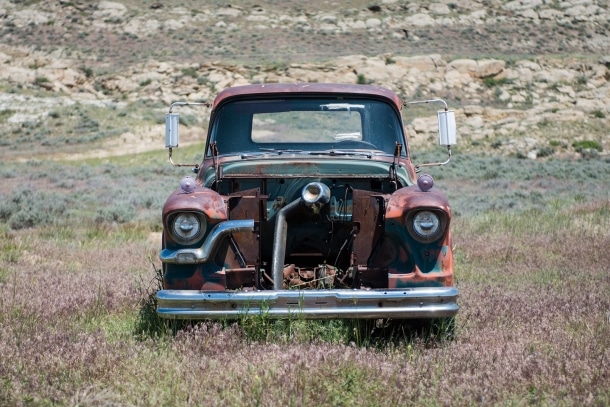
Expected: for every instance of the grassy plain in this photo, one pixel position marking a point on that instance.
(79, 240)
(78, 253)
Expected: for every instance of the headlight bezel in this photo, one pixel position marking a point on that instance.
(182, 235)
(418, 230)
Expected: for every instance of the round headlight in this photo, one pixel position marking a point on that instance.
(188, 227)
(426, 226)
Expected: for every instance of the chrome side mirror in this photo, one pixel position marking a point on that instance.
(172, 121)
(446, 128)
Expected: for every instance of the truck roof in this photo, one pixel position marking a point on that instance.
(308, 89)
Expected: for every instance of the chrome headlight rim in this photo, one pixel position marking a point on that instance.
(186, 227)
(420, 233)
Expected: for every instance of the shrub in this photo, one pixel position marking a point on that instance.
(589, 153)
(87, 71)
(492, 82)
(115, 214)
(192, 72)
(599, 114)
(27, 208)
(546, 151)
(7, 173)
(582, 145)
(5, 114)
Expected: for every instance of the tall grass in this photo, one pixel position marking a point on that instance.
(78, 327)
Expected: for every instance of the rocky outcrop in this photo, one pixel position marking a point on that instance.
(507, 105)
(510, 103)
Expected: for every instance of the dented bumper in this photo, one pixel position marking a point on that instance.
(407, 303)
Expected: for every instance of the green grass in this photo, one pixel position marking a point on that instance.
(103, 351)
(587, 144)
(529, 237)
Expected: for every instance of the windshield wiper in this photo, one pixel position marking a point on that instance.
(335, 153)
(331, 153)
(278, 151)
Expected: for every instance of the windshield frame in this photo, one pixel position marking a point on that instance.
(376, 113)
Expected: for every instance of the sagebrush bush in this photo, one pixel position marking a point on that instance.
(26, 208)
(118, 213)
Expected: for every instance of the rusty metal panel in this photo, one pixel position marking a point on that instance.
(240, 277)
(368, 216)
(201, 199)
(246, 205)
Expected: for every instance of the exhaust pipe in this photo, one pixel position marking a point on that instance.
(314, 193)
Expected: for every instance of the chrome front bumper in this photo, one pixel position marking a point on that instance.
(420, 302)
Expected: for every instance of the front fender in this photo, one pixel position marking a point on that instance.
(205, 200)
(406, 199)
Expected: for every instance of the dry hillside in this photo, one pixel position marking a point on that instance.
(527, 77)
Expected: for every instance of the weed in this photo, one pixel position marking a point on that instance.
(493, 82)
(190, 71)
(149, 323)
(545, 151)
(11, 248)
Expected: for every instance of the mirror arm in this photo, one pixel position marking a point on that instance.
(419, 102)
(419, 166)
(171, 161)
(171, 107)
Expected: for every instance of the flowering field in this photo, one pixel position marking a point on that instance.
(78, 260)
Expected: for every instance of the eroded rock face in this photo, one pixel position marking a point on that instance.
(494, 98)
(524, 96)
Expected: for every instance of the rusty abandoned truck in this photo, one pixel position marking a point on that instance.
(307, 205)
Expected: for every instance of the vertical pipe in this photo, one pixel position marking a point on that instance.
(279, 244)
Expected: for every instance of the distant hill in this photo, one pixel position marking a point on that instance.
(527, 77)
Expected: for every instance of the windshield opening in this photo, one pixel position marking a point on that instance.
(311, 124)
